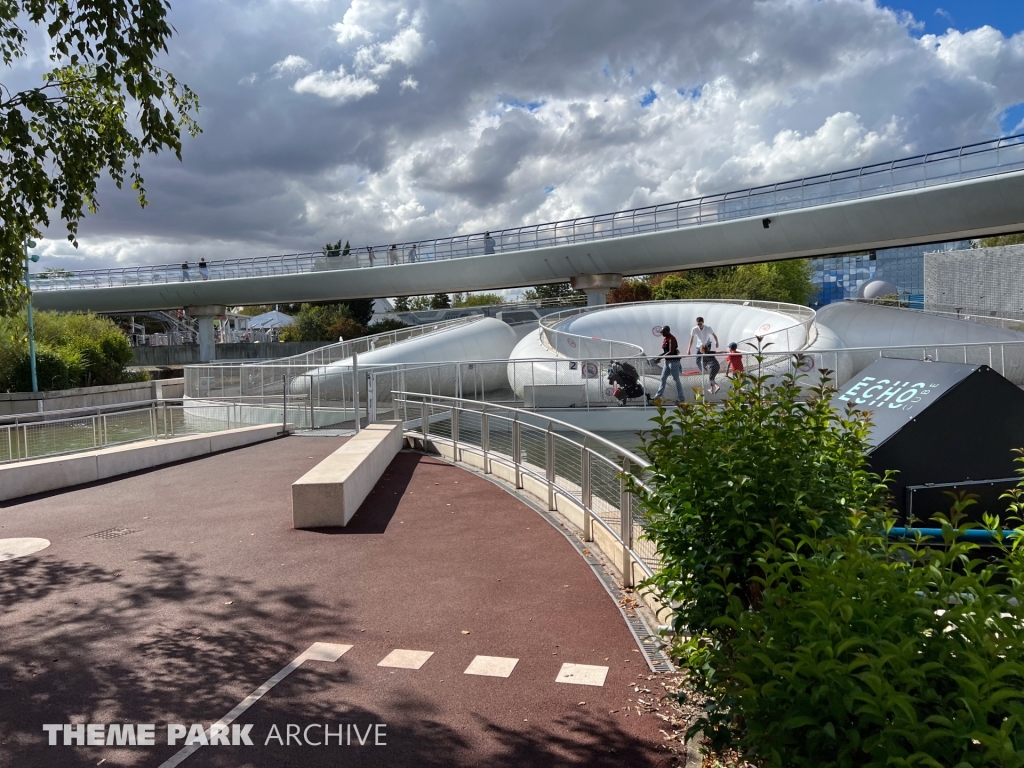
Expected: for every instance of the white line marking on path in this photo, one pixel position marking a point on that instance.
(582, 674)
(315, 652)
(403, 659)
(491, 666)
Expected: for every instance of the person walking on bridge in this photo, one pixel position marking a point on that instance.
(204, 270)
(488, 244)
(393, 255)
(184, 272)
(670, 354)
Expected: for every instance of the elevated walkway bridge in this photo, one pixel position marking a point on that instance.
(969, 191)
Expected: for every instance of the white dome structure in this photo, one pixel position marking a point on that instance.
(876, 289)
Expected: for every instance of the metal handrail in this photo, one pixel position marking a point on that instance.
(93, 430)
(808, 192)
(967, 314)
(519, 420)
(339, 350)
(34, 417)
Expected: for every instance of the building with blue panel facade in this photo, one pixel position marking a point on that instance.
(841, 277)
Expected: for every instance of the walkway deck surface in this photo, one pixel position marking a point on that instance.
(212, 593)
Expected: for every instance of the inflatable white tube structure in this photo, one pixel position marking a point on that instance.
(851, 335)
(534, 363)
(485, 339)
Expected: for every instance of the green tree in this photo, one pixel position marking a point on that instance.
(323, 322)
(552, 291)
(440, 301)
(632, 289)
(360, 310)
(787, 281)
(58, 138)
(53, 272)
(384, 325)
(477, 299)
(402, 304)
(994, 242)
(336, 249)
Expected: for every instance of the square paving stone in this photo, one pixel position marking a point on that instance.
(582, 674)
(491, 666)
(403, 659)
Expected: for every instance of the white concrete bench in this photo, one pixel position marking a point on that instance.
(331, 492)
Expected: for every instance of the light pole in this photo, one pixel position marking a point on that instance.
(31, 329)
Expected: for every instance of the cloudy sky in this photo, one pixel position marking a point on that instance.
(381, 120)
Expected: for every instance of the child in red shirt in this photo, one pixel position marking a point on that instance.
(735, 360)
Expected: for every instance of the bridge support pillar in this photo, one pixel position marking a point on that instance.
(596, 286)
(207, 341)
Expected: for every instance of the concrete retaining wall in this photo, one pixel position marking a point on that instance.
(188, 354)
(56, 472)
(12, 403)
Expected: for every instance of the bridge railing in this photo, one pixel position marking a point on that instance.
(998, 156)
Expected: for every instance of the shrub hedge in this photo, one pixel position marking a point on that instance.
(815, 638)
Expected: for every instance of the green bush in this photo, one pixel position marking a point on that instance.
(52, 372)
(788, 281)
(871, 652)
(384, 325)
(771, 451)
(325, 322)
(91, 351)
(812, 638)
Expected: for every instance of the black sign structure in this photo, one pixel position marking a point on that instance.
(940, 426)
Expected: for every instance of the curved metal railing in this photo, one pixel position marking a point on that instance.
(989, 158)
(575, 345)
(585, 470)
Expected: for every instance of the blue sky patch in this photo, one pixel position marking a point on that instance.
(529, 106)
(1005, 15)
(648, 98)
(1012, 118)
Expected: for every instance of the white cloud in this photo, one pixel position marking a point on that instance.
(290, 65)
(335, 85)
(364, 19)
(376, 60)
(531, 112)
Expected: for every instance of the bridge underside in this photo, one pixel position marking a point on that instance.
(975, 208)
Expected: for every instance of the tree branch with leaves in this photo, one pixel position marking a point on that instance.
(102, 105)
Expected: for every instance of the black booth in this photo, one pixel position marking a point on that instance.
(943, 427)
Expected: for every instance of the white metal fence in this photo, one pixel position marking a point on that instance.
(34, 436)
(999, 156)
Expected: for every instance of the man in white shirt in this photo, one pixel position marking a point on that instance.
(703, 334)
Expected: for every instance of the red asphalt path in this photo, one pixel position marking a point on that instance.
(213, 593)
